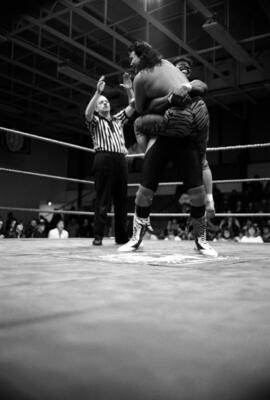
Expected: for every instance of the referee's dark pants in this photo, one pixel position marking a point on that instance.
(110, 174)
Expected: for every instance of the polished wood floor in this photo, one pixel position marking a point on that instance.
(84, 322)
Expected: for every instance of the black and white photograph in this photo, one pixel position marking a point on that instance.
(135, 200)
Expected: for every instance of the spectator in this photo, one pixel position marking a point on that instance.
(46, 222)
(54, 221)
(73, 227)
(10, 219)
(212, 229)
(172, 228)
(266, 234)
(232, 224)
(31, 228)
(40, 231)
(59, 232)
(20, 230)
(11, 230)
(252, 236)
(224, 235)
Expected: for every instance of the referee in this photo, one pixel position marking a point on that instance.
(110, 166)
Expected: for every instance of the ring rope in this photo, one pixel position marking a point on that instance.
(239, 147)
(60, 211)
(74, 146)
(224, 148)
(44, 139)
(214, 181)
(241, 180)
(18, 171)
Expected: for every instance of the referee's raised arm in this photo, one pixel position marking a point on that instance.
(90, 109)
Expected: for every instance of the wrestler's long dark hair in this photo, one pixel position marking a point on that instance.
(149, 57)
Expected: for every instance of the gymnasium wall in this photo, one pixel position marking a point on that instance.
(28, 191)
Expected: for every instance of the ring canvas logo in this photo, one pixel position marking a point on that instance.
(158, 258)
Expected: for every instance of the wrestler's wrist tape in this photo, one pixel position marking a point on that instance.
(188, 86)
(169, 98)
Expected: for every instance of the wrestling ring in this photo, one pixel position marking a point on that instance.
(85, 322)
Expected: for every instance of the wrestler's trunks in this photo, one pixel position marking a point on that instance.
(187, 121)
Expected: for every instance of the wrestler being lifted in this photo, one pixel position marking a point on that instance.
(155, 78)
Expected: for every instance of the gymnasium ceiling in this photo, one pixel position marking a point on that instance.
(52, 53)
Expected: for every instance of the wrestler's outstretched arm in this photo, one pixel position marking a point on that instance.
(127, 85)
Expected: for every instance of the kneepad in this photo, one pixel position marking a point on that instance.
(144, 197)
(197, 196)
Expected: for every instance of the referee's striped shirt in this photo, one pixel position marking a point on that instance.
(108, 135)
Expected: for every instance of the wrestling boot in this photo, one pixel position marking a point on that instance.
(199, 230)
(139, 228)
(149, 227)
(97, 241)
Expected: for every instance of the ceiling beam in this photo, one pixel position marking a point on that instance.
(104, 27)
(57, 14)
(139, 10)
(199, 6)
(39, 89)
(28, 85)
(95, 22)
(50, 56)
(74, 43)
(33, 48)
(222, 36)
(26, 25)
(38, 72)
(46, 118)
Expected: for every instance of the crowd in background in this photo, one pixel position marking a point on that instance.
(253, 198)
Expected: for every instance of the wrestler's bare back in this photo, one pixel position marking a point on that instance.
(156, 82)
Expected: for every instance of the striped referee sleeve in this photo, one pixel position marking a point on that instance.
(122, 116)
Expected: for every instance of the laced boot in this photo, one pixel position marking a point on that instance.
(140, 226)
(149, 227)
(199, 230)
